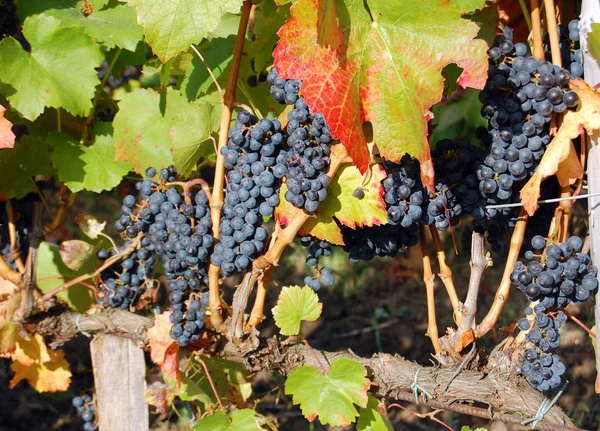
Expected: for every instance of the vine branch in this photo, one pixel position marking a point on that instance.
(214, 297)
(428, 277)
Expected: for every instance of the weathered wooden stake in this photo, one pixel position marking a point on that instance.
(120, 381)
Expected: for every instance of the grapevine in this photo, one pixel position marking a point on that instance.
(197, 193)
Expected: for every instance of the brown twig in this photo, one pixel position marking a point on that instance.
(210, 381)
(516, 241)
(553, 32)
(428, 277)
(29, 279)
(479, 262)
(64, 201)
(257, 315)
(580, 324)
(12, 235)
(215, 306)
(7, 273)
(536, 23)
(109, 262)
(446, 273)
(422, 416)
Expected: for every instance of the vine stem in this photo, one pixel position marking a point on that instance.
(446, 273)
(580, 324)
(7, 273)
(214, 297)
(553, 32)
(323, 369)
(64, 201)
(210, 381)
(516, 241)
(12, 235)
(109, 262)
(428, 277)
(479, 262)
(423, 415)
(257, 315)
(536, 25)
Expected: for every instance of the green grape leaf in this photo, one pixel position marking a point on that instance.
(341, 204)
(18, 166)
(594, 41)
(153, 129)
(59, 72)
(370, 418)
(113, 26)
(331, 397)
(52, 273)
(241, 420)
(387, 71)
(468, 428)
(294, 305)
(92, 168)
(171, 27)
(468, 5)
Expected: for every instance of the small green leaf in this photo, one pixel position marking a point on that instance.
(594, 41)
(332, 396)
(468, 428)
(18, 166)
(153, 129)
(92, 168)
(241, 420)
(52, 273)
(59, 71)
(172, 26)
(294, 305)
(371, 420)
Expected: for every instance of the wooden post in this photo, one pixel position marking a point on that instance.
(590, 13)
(120, 381)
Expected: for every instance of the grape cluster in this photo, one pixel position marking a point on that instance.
(519, 99)
(405, 196)
(543, 370)
(306, 152)
(364, 243)
(8, 18)
(252, 157)
(284, 91)
(125, 281)
(456, 186)
(316, 249)
(86, 410)
(176, 228)
(555, 275)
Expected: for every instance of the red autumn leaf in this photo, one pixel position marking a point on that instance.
(386, 71)
(560, 158)
(164, 351)
(7, 137)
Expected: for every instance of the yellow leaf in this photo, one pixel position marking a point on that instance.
(75, 253)
(89, 225)
(9, 331)
(45, 370)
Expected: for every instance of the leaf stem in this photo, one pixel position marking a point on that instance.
(525, 14)
(210, 381)
(210, 72)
